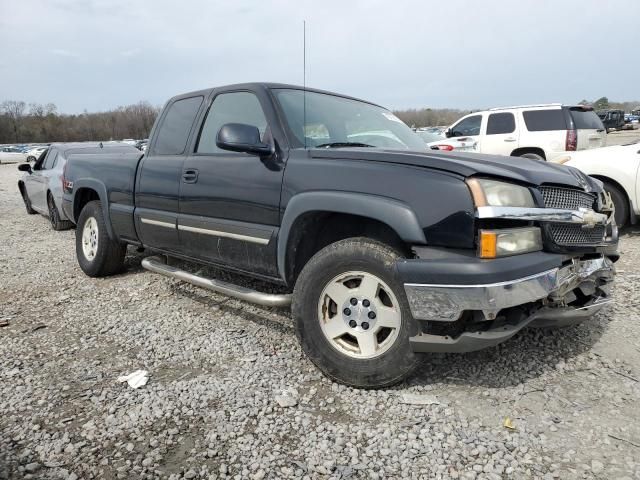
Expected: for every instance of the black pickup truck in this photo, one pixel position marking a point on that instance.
(385, 249)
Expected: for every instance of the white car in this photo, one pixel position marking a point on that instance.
(542, 132)
(618, 167)
(12, 155)
(35, 152)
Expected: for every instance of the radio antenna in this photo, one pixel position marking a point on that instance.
(304, 82)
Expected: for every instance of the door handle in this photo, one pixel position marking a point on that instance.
(190, 175)
(510, 139)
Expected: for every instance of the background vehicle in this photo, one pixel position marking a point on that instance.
(41, 184)
(612, 119)
(618, 167)
(12, 155)
(384, 248)
(34, 153)
(541, 132)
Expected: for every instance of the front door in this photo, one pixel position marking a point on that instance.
(229, 202)
(159, 174)
(466, 133)
(36, 183)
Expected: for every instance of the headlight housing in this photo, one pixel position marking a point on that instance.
(508, 241)
(493, 193)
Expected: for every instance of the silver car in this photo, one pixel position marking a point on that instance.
(41, 184)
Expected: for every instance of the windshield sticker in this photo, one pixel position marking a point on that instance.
(392, 117)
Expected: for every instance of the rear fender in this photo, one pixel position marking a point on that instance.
(101, 190)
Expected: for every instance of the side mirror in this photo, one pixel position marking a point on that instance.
(238, 137)
(447, 133)
(24, 167)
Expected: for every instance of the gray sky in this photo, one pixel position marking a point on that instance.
(98, 54)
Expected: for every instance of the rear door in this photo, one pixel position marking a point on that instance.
(159, 176)
(589, 127)
(500, 134)
(229, 201)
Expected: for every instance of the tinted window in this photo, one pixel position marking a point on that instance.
(237, 107)
(50, 160)
(588, 119)
(501, 123)
(174, 131)
(544, 120)
(468, 126)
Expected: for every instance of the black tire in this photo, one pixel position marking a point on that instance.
(54, 216)
(109, 255)
(27, 202)
(353, 254)
(620, 202)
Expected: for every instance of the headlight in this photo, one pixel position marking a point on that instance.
(508, 241)
(499, 194)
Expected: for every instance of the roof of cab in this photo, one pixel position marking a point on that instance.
(266, 86)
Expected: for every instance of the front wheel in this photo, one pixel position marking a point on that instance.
(27, 201)
(352, 317)
(620, 203)
(98, 255)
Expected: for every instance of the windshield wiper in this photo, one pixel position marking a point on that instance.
(343, 144)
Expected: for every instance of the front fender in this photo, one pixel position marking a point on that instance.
(397, 215)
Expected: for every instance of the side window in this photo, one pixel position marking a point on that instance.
(468, 126)
(235, 107)
(544, 120)
(176, 125)
(50, 160)
(501, 123)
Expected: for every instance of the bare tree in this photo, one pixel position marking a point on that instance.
(14, 110)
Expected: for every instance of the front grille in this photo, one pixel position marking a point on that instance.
(567, 198)
(575, 235)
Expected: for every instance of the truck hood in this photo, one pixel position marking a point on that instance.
(522, 170)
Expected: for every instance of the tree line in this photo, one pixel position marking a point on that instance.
(36, 123)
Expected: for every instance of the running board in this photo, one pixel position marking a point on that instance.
(158, 265)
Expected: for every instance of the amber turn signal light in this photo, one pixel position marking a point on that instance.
(488, 244)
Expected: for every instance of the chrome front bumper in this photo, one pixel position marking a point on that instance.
(446, 303)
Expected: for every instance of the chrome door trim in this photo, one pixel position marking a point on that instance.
(157, 223)
(218, 233)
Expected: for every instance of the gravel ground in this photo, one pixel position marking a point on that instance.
(220, 370)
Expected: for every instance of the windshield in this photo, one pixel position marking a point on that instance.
(338, 122)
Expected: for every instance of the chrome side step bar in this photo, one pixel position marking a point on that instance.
(158, 265)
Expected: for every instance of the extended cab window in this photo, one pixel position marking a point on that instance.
(467, 127)
(235, 107)
(544, 120)
(501, 123)
(174, 131)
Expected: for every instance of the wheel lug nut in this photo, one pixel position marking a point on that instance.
(353, 301)
(365, 326)
(347, 311)
(372, 315)
(366, 302)
(353, 324)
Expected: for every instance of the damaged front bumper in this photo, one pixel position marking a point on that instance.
(485, 314)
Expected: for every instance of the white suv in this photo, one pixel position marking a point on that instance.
(535, 131)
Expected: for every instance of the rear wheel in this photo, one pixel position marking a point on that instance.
(98, 255)
(620, 203)
(54, 216)
(352, 316)
(27, 201)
